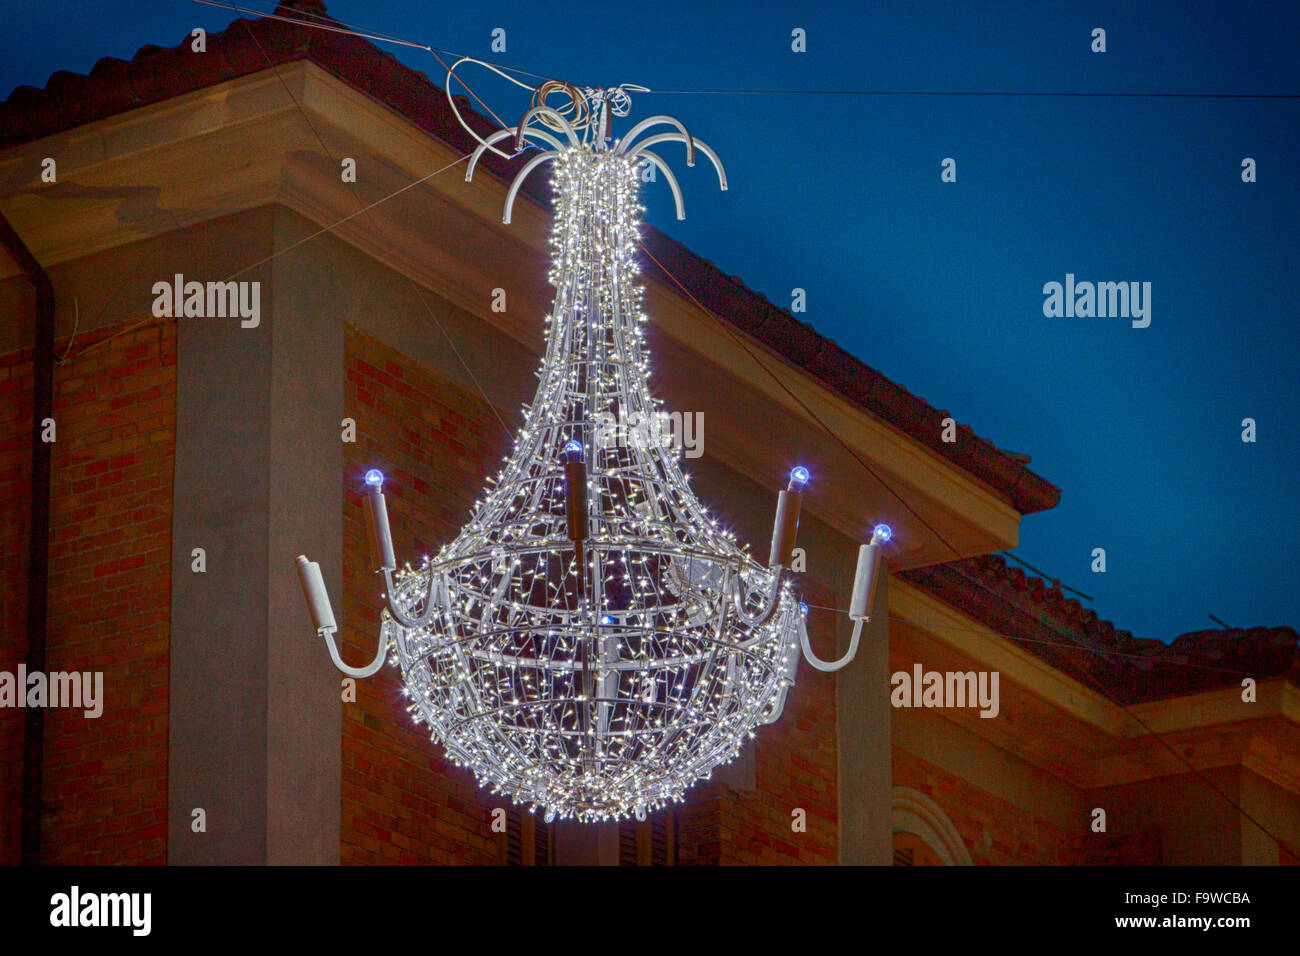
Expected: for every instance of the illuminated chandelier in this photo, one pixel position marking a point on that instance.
(593, 642)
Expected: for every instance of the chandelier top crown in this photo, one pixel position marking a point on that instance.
(583, 120)
(589, 109)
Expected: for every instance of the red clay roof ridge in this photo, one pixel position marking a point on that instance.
(1039, 617)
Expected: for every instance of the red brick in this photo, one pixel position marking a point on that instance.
(101, 776)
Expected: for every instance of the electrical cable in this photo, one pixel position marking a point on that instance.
(1056, 582)
(335, 27)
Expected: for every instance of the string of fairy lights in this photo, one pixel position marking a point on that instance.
(599, 681)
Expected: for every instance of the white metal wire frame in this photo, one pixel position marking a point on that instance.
(601, 678)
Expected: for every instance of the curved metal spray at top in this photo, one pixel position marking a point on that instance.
(596, 135)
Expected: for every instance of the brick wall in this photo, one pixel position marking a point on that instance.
(995, 831)
(110, 594)
(105, 785)
(403, 802)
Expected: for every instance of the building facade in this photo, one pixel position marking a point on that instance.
(194, 456)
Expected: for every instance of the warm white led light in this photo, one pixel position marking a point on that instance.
(592, 678)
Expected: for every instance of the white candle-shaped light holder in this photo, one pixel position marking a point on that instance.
(376, 508)
(318, 599)
(786, 525)
(864, 579)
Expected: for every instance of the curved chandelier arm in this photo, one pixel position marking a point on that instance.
(672, 182)
(368, 671)
(530, 133)
(787, 681)
(532, 164)
(401, 617)
(561, 125)
(679, 138)
(625, 144)
(322, 618)
(864, 595)
(773, 595)
(778, 708)
(830, 666)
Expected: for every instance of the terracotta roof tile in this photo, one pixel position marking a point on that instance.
(1044, 621)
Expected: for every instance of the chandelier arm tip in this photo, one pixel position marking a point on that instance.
(865, 579)
(483, 147)
(318, 599)
(678, 138)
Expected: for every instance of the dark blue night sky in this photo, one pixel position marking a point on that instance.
(940, 285)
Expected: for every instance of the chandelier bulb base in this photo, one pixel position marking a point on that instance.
(318, 599)
(786, 525)
(377, 529)
(864, 581)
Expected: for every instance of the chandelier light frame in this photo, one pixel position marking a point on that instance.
(593, 642)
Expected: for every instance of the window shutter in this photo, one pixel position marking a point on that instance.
(527, 840)
(649, 843)
(541, 842)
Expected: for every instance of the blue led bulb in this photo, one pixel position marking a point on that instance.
(883, 532)
(800, 475)
(573, 447)
(607, 619)
(803, 609)
(375, 477)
